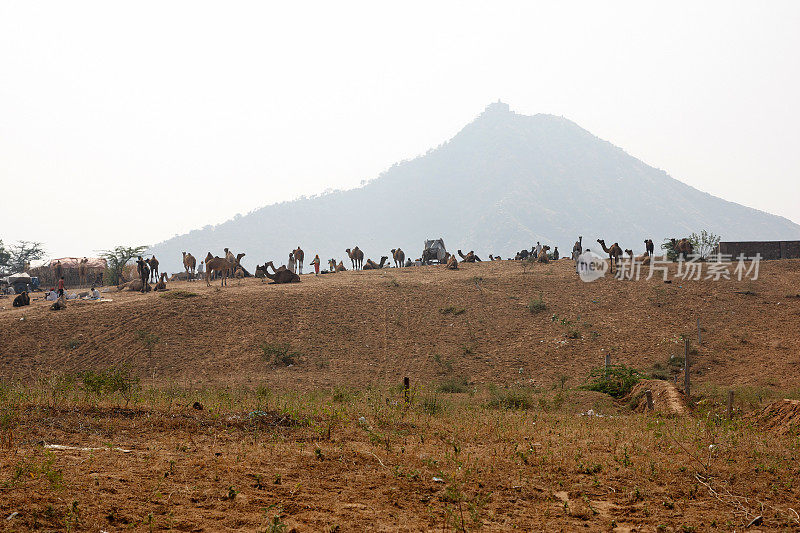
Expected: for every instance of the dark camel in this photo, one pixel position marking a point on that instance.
(281, 275)
(372, 265)
(614, 253)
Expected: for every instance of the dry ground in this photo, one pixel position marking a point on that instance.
(329, 443)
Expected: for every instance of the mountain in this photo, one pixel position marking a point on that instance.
(502, 183)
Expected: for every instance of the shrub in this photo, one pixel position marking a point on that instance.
(510, 399)
(431, 405)
(537, 305)
(279, 354)
(109, 381)
(616, 380)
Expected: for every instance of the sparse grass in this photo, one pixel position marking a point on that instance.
(178, 294)
(452, 310)
(514, 398)
(454, 385)
(71, 344)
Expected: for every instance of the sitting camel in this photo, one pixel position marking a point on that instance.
(218, 265)
(542, 257)
(189, 263)
(372, 265)
(299, 255)
(134, 286)
(356, 257)
(643, 259)
(22, 299)
(336, 268)
(614, 253)
(452, 262)
(281, 275)
(399, 257)
(153, 262)
(162, 283)
(59, 304)
(469, 258)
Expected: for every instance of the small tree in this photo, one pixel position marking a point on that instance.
(705, 243)
(116, 259)
(18, 257)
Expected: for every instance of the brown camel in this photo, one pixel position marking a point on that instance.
(299, 255)
(356, 257)
(469, 258)
(649, 246)
(162, 283)
(134, 286)
(682, 247)
(643, 259)
(153, 262)
(334, 267)
(281, 275)
(399, 257)
(189, 263)
(239, 274)
(452, 262)
(542, 257)
(372, 265)
(614, 253)
(82, 267)
(220, 265)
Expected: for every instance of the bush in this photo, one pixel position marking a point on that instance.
(279, 354)
(431, 405)
(616, 380)
(537, 306)
(510, 399)
(109, 381)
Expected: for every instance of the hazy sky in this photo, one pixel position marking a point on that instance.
(130, 123)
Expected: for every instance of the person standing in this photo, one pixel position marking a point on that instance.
(537, 250)
(291, 265)
(315, 262)
(61, 287)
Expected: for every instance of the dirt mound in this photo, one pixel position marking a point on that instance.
(782, 416)
(667, 398)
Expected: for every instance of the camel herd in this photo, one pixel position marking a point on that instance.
(213, 267)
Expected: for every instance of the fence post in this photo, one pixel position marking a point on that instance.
(406, 387)
(607, 362)
(730, 404)
(649, 395)
(686, 383)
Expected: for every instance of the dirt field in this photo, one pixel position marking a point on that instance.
(264, 407)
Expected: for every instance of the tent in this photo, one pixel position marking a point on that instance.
(434, 251)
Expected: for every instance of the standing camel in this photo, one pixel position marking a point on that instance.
(82, 266)
(356, 257)
(614, 253)
(399, 257)
(299, 255)
(189, 263)
(649, 246)
(217, 264)
(153, 262)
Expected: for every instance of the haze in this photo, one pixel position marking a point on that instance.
(128, 124)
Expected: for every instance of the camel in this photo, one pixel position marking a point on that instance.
(82, 271)
(261, 271)
(372, 265)
(614, 253)
(469, 258)
(299, 255)
(522, 254)
(644, 259)
(59, 304)
(356, 257)
(134, 286)
(281, 275)
(682, 247)
(153, 262)
(22, 299)
(399, 257)
(542, 257)
(334, 267)
(239, 274)
(452, 263)
(162, 284)
(57, 270)
(218, 264)
(189, 263)
(649, 247)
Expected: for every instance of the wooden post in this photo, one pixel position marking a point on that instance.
(699, 335)
(649, 395)
(686, 384)
(406, 389)
(730, 404)
(608, 361)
